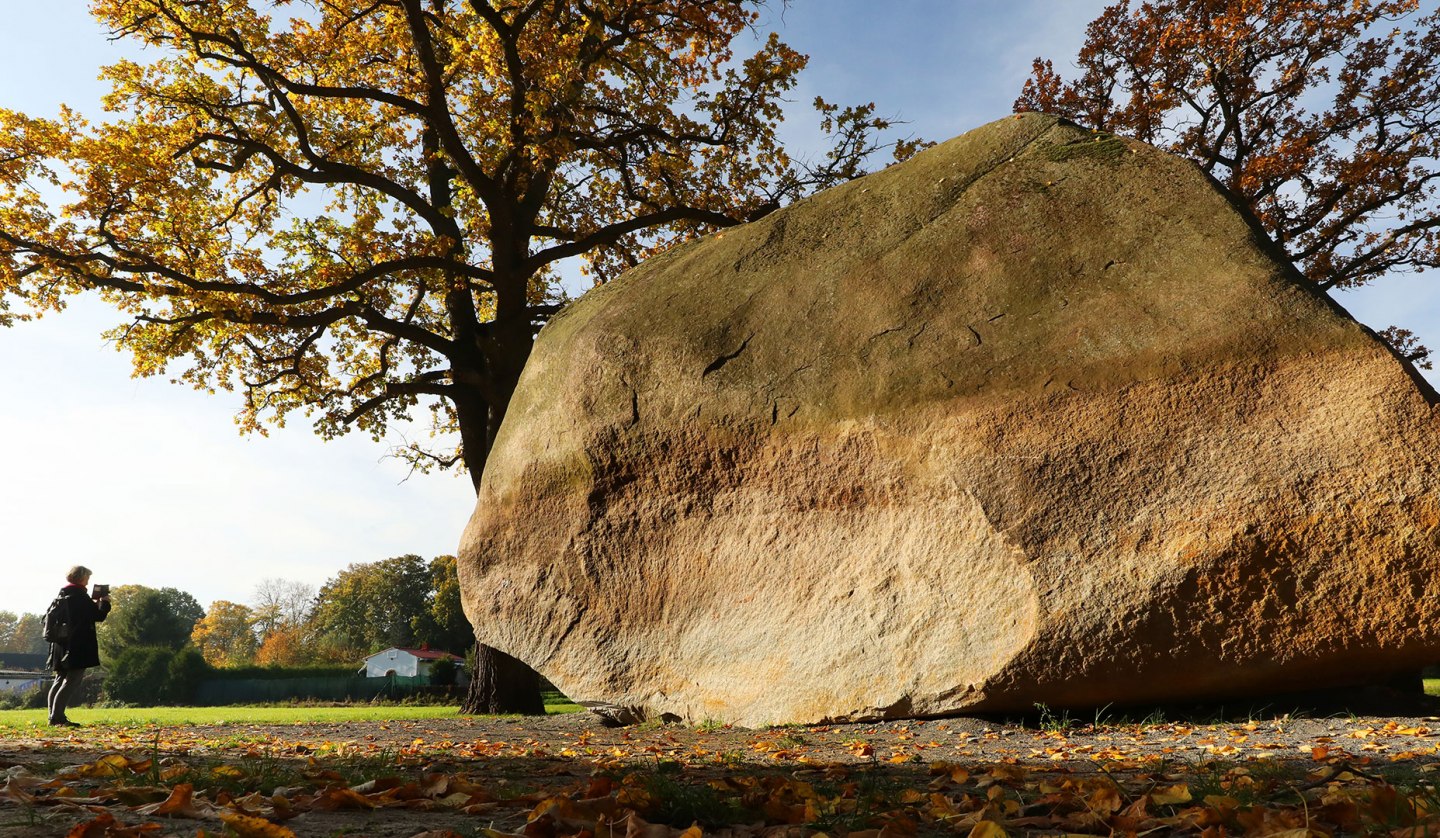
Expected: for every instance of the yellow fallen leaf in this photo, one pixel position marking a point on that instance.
(180, 803)
(341, 798)
(174, 772)
(454, 801)
(110, 765)
(1169, 795)
(637, 827)
(248, 827)
(579, 814)
(988, 829)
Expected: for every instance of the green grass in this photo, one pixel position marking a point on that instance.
(1432, 686)
(283, 714)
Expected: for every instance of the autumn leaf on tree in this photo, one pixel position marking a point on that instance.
(1318, 115)
(360, 212)
(226, 634)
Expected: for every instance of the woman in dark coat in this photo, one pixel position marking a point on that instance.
(80, 650)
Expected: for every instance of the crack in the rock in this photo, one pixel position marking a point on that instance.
(882, 334)
(725, 359)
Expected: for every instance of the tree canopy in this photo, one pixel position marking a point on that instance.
(361, 209)
(147, 617)
(8, 621)
(369, 606)
(1322, 116)
(363, 205)
(281, 603)
(446, 624)
(285, 646)
(22, 633)
(225, 636)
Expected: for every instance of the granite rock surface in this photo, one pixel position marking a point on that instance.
(1036, 416)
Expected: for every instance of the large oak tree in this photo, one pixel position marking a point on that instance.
(357, 208)
(1322, 116)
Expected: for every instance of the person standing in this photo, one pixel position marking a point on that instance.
(70, 657)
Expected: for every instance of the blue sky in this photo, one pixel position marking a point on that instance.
(149, 482)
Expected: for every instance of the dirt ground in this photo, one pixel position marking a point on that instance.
(522, 762)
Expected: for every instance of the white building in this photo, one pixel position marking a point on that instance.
(408, 662)
(12, 681)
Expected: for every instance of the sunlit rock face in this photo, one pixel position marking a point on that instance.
(1034, 417)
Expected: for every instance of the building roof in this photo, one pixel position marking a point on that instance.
(422, 654)
(25, 661)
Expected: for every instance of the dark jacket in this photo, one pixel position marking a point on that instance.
(81, 650)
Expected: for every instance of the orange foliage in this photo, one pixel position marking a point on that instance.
(283, 647)
(1317, 114)
(225, 635)
(360, 208)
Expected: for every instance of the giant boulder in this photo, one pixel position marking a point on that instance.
(1037, 416)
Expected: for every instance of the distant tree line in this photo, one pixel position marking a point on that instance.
(158, 642)
(402, 601)
(21, 633)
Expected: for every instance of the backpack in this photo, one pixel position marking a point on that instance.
(57, 621)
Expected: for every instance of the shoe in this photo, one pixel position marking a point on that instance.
(65, 723)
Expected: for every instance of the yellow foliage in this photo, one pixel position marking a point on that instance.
(361, 211)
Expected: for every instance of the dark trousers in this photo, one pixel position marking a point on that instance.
(67, 684)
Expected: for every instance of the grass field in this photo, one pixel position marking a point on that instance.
(283, 714)
(289, 714)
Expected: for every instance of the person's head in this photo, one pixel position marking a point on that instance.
(78, 575)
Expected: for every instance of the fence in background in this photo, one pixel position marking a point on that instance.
(219, 692)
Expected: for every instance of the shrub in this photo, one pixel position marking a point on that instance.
(138, 676)
(186, 670)
(91, 689)
(35, 697)
(249, 673)
(443, 672)
(26, 699)
(145, 676)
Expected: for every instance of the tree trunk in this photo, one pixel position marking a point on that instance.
(502, 684)
(499, 683)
